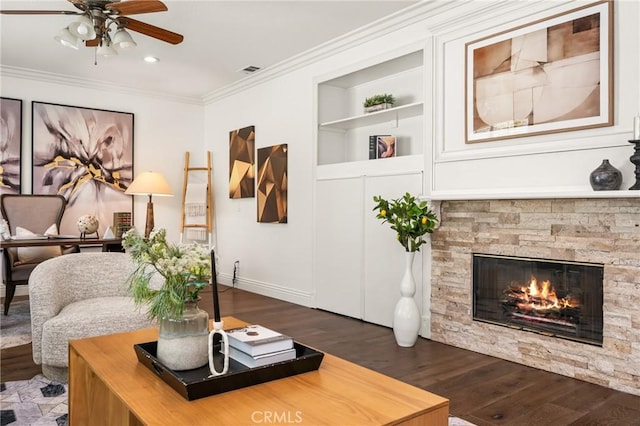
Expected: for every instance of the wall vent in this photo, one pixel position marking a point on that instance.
(250, 69)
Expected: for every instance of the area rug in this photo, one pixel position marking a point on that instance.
(40, 401)
(15, 328)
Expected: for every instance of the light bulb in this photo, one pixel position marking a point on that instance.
(83, 28)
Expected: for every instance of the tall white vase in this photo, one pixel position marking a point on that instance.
(406, 317)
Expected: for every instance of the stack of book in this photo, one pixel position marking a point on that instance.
(255, 346)
(121, 223)
(382, 146)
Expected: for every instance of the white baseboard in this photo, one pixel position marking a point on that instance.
(269, 290)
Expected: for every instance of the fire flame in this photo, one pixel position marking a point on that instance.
(542, 296)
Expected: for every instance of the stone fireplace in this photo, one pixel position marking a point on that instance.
(550, 297)
(603, 234)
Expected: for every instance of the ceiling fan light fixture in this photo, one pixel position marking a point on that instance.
(82, 28)
(65, 38)
(123, 40)
(106, 50)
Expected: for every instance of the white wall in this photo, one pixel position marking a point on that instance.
(557, 162)
(277, 259)
(163, 132)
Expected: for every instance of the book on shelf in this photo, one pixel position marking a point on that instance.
(263, 359)
(258, 340)
(121, 223)
(382, 146)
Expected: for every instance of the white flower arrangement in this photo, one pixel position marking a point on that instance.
(185, 268)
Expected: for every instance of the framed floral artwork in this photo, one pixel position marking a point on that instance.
(10, 145)
(86, 155)
(552, 75)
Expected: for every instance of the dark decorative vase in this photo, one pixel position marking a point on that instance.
(635, 159)
(605, 177)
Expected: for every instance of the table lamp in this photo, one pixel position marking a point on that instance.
(149, 183)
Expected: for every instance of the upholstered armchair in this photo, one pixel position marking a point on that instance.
(77, 296)
(26, 215)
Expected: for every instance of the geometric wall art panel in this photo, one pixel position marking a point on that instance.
(272, 184)
(242, 162)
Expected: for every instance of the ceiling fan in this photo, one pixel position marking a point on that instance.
(96, 19)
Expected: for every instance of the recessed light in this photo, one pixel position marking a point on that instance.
(151, 59)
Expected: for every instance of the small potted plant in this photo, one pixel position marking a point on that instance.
(378, 102)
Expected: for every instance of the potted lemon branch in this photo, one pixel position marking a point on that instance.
(411, 219)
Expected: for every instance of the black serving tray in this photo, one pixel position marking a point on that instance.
(195, 384)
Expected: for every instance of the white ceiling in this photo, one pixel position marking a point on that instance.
(220, 38)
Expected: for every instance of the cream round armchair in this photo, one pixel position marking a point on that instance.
(76, 296)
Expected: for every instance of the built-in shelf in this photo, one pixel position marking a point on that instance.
(380, 167)
(344, 129)
(396, 113)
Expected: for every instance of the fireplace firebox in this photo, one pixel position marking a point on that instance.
(550, 297)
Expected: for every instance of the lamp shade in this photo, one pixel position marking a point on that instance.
(106, 50)
(123, 40)
(65, 38)
(82, 28)
(149, 183)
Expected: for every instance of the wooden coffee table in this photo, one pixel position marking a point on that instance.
(108, 386)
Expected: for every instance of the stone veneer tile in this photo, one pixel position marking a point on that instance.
(628, 220)
(516, 206)
(603, 231)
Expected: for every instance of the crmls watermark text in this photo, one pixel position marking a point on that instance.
(267, 417)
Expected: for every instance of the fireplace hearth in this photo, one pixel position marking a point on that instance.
(551, 297)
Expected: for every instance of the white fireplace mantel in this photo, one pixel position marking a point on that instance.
(526, 194)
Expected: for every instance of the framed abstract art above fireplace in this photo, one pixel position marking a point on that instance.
(552, 75)
(86, 155)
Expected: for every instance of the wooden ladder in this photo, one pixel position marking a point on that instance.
(203, 222)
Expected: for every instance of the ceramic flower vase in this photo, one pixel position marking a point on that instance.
(183, 342)
(406, 316)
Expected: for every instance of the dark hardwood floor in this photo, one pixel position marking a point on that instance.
(482, 389)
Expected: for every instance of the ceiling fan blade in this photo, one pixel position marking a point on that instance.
(93, 42)
(37, 12)
(150, 30)
(132, 7)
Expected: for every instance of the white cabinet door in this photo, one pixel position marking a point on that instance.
(339, 254)
(383, 254)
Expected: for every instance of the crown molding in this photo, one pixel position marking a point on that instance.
(396, 21)
(48, 77)
(437, 16)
